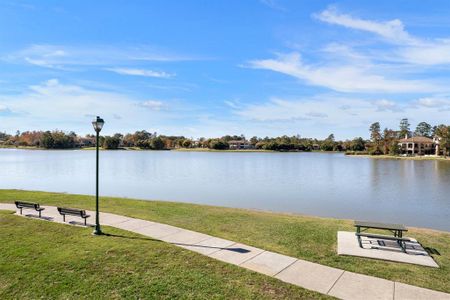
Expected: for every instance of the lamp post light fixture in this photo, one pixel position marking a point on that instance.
(98, 125)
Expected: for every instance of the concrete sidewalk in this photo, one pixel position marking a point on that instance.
(331, 281)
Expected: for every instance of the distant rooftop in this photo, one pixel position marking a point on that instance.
(417, 139)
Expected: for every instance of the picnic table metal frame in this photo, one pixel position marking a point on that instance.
(396, 229)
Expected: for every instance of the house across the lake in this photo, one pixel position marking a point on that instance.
(240, 145)
(418, 145)
(85, 142)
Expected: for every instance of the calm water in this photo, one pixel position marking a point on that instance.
(416, 193)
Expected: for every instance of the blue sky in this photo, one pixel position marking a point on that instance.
(209, 68)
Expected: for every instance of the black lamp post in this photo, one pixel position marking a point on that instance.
(98, 125)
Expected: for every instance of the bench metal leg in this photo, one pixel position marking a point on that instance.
(402, 245)
(358, 230)
(85, 222)
(20, 210)
(64, 218)
(39, 214)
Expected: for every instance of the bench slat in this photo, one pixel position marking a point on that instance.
(385, 237)
(72, 211)
(21, 205)
(26, 204)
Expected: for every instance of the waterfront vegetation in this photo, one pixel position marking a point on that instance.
(144, 140)
(381, 142)
(309, 238)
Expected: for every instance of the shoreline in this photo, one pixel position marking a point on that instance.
(175, 149)
(417, 158)
(438, 158)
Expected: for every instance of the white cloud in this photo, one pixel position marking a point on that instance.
(4, 109)
(314, 114)
(278, 109)
(387, 105)
(341, 77)
(62, 56)
(389, 69)
(274, 4)
(141, 72)
(427, 53)
(232, 103)
(441, 102)
(153, 104)
(331, 113)
(411, 49)
(392, 30)
(52, 104)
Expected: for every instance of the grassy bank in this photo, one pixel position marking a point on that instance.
(19, 147)
(43, 260)
(310, 238)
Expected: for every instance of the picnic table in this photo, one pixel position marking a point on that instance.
(396, 229)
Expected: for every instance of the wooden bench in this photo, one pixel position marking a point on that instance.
(396, 229)
(73, 212)
(28, 205)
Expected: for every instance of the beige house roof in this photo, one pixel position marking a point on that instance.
(417, 139)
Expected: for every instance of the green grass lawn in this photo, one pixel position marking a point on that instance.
(309, 238)
(40, 259)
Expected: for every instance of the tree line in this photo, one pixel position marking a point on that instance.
(58, 139)
(380, 141)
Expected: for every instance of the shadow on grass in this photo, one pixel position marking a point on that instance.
(37, 217)
(131, 237)
(432, 251)
(237, 250)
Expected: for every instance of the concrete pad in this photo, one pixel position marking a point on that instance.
(409, 292)
(389, 250)
(310, 275)
(236, 254)
(356, 286)
(157, 231)
(184, 238)
(133, 224)
(268, 263)
(210, 246)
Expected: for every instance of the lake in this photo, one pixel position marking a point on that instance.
(415, 193)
